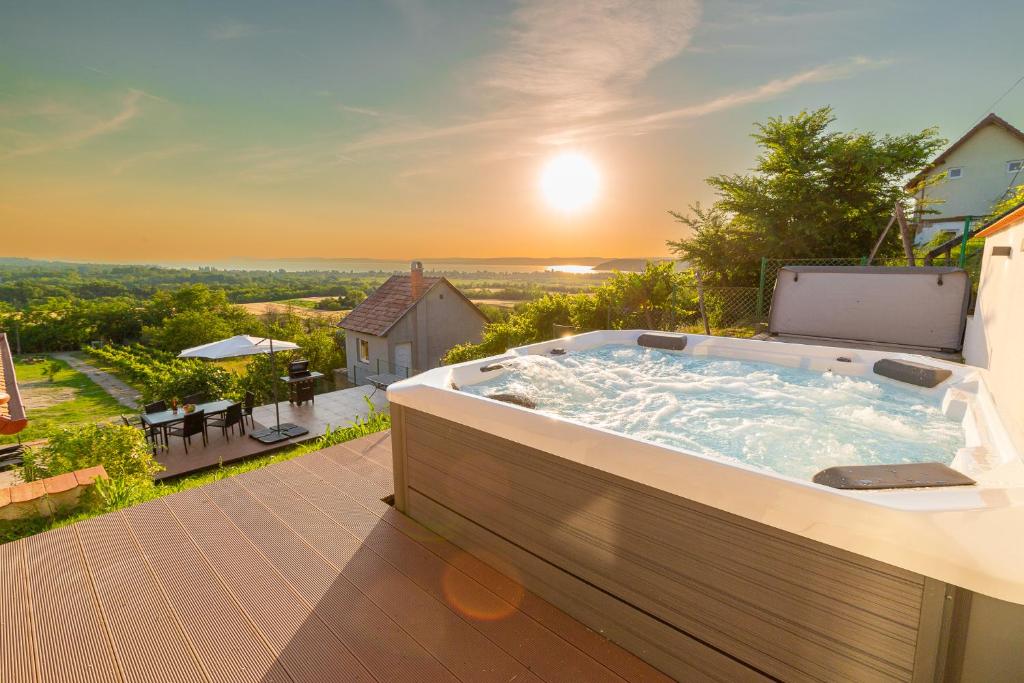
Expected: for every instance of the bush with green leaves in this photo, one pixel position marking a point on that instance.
(121, 450)
(658, 298)
(162, 377)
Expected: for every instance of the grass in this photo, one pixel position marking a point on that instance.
(20, 528)
(302, 303)
(86, 401)
(105, 367)
(738, 332)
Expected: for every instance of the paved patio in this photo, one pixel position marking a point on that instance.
(298, 572)
(333, 409)
(336, 408)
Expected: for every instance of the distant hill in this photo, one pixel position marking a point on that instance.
(629, 265)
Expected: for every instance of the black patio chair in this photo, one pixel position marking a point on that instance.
(155, 434)
(155, 407)
(231, 416)
(152, 434)
(194, 423)
(194, 398)
(248, 405)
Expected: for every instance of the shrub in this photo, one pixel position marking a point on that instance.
(161, 376)
(260, 376)
(52, 368)
(657, 298)
(190, 377)
(121, 450)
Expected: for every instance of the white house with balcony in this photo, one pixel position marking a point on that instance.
(971, 176)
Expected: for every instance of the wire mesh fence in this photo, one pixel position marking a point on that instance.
(727, 307)
(770, 271)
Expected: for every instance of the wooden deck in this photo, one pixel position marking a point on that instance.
(330, 410)
(295, 572)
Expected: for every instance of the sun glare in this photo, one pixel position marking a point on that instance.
(570, 182)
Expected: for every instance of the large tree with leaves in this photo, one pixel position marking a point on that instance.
(814, 192)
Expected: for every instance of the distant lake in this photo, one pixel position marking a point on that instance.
(394, 266)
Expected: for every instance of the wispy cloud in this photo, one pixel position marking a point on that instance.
(583, 59)
(407, 135)
(156, 155)
(530, 133)
(130, 108)
(269, 165)
(670, 117)
(561, 62)
(234, 30)
(364, 111)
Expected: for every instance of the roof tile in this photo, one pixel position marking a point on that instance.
(385, 307)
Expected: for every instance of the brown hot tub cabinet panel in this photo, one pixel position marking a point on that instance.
(695, 591)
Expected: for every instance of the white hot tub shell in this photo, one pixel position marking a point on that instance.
(708, 566)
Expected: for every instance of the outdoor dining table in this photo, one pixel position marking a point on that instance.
(167, 417)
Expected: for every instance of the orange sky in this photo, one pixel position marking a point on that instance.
(401, 129)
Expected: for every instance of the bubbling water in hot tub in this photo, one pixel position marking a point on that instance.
(788, 420)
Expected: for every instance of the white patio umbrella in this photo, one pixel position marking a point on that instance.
(246, 345)
(239, 345)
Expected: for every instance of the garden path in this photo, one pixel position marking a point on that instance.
(121, 392)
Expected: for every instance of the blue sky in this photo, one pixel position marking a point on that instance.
(403, 128)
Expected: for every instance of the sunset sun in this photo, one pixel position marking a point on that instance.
(570, 182)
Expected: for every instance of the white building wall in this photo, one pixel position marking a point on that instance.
(358, 370)
(983, 159)
(995, 333)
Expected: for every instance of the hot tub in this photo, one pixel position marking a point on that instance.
(707, 563)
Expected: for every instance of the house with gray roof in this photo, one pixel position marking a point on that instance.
(407, 325)
(973, 174)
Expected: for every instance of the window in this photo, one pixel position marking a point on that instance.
(1015, 166)
(955, 173)
(363, 347)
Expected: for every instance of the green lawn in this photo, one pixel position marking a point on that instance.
(72, 398)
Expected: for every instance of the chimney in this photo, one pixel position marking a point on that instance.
(416, 279)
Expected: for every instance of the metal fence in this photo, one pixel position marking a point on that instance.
(359, 372)
(728, 307)
(770, 271)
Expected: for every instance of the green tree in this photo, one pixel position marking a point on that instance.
(323, 348)
(52, 368)
(1012, 199)
(187, 329)
(813, 192)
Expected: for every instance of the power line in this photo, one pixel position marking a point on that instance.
(999, 99)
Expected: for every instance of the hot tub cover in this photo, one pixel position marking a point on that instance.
(923, 307)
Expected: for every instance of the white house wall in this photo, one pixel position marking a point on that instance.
(983, 159)
(995, 333)
(378, 351)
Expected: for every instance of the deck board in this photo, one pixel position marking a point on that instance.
(70, 634)
(17, 655)
(457, 645)
(145, 635)
(294, 572)
(543, 651)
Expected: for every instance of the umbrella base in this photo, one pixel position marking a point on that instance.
(283, 432)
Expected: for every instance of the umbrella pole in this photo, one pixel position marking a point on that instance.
(273, 378)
